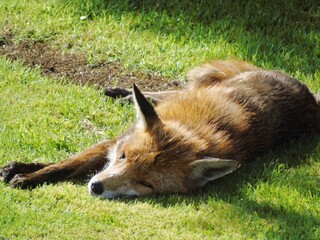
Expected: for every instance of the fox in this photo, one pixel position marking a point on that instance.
(227, 114)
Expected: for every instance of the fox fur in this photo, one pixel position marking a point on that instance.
(230, 112)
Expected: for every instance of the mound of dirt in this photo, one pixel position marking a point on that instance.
(54, 64)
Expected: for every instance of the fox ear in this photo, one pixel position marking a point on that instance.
(146, 113)
(208, 169)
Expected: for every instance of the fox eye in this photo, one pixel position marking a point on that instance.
(145, 184)
(122, 157)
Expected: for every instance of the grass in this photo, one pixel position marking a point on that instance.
(275, 197)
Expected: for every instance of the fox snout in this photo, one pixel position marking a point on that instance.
(110, 186)
(97, 188)
(115, 186)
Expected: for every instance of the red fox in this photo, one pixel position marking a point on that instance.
(230, 112)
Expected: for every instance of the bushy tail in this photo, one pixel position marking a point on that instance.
(215, 71)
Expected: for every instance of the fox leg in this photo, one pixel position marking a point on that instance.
(24, 175)
(125, 95)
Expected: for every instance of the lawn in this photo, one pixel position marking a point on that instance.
(46, 119)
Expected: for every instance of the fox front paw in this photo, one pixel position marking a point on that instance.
(9, 171)
(20, 181)
(11, 174)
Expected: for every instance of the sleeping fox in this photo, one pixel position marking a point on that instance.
(228, 113)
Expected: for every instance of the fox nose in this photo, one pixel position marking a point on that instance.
(96, 188)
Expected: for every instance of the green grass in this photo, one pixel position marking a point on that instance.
(275, 197)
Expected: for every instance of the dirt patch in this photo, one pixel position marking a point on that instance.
(76, 68)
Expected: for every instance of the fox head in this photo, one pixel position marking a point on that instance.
(156, 156)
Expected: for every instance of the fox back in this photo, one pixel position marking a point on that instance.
(230, 112)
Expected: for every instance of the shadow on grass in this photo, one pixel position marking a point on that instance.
(290, 224)
(284, 33)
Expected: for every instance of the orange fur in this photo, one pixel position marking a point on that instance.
(230, 112)
(215, 71)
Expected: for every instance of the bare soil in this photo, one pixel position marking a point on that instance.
(75, 67)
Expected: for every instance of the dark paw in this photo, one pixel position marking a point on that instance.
(117, 92)
(9, 171)
(21, 181)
